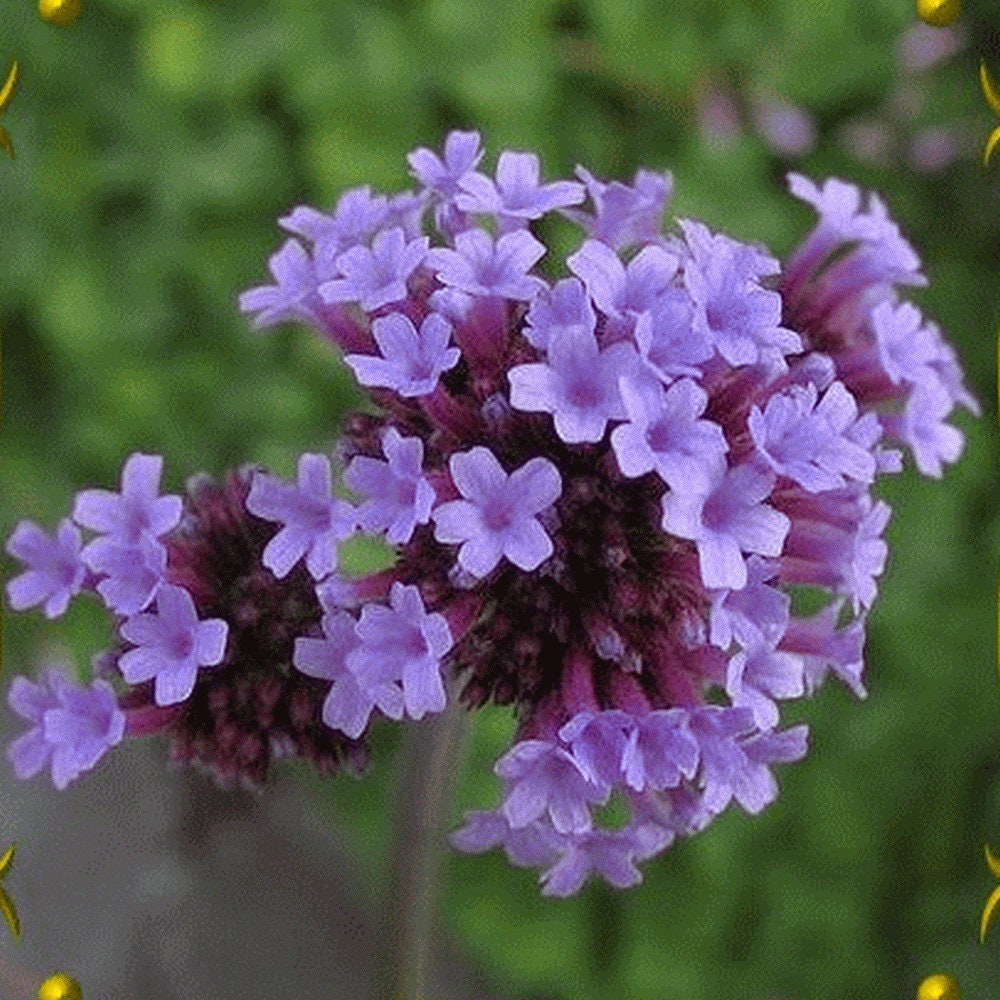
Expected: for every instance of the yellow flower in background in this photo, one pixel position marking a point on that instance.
(6, 96)
(939, 987)
(6, 903)
(60, 987)
(992, 95)
(994, 899)
(61, 13)
(939, 13)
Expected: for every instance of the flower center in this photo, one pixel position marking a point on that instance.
(659, 436)
(582, 391)
(413, 643)
(497, 514)
(180, 645)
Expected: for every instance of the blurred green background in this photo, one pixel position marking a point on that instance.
(157, 144)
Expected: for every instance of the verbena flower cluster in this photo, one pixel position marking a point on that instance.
(603, 490)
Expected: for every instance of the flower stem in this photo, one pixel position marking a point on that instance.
(430, 763)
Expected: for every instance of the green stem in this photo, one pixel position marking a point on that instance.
(430, 762)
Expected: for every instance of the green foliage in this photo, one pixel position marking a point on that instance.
(158, 143)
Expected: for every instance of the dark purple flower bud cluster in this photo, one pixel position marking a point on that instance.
(602, 491)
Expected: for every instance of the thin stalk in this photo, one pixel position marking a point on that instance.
(430, 763)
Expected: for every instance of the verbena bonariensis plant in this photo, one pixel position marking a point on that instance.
(602, 493)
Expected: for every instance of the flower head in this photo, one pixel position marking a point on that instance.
(603, 492)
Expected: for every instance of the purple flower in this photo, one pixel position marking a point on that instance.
(171, 645)
(536, 845)
(669, 343)
(137, 512)
(841, 549)
(497, 517)
(881, 259)
(377, 276)
(808, 441)
(517, 194)
(358, 216)
(411, 362)
(565, 306)
(757, 607)
(734, 760)
(617, 288)
(730, 307)
(612, 854)
(442, 177)
(578, 384)
(787, 129)
(72, 727)
(824, 647)
(462, 153)
(865, 558)
(54, 573)
(921, 46)
(841, 215)
(758, 674)
(544, 779)
(598, 741)
(313, 521)
(660, 752)
(663, 432)
(922, 427)
(480, 266)
(294, 297)
(406, 644)
(132, 573)
(725, 521)
(623, 215)
(348, 704)
(399, 495)
(906, 348)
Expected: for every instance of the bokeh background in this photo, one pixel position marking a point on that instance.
(157, 144)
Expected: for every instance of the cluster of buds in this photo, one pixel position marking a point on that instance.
(602, 491)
